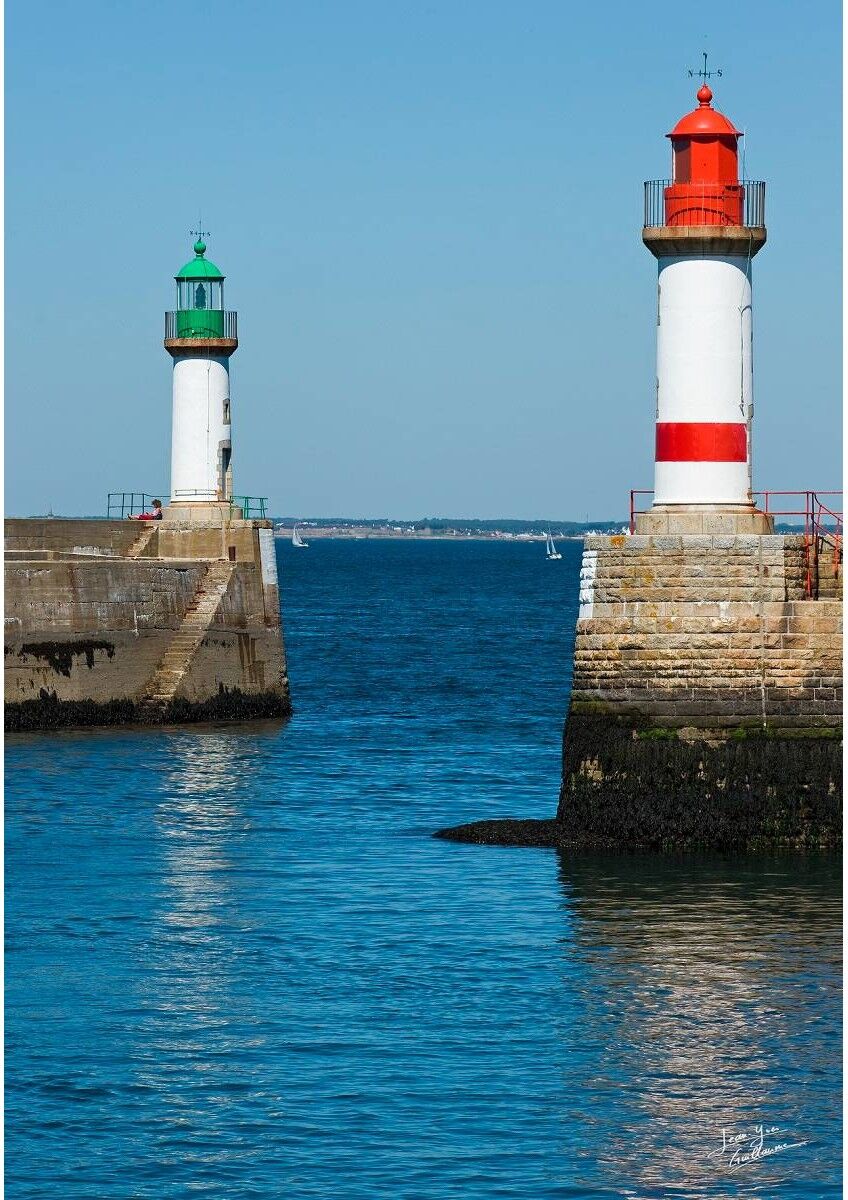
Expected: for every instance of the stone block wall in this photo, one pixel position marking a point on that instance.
(72, 536)
(706, 631)
(231, 539)
(699, 664)
(85, 633)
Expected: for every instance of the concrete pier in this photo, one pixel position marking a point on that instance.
(111, 621)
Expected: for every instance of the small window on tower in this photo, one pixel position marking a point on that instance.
(200, 296)
(227, 411)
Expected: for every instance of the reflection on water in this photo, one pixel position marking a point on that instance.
(710, 987)
(239, 966)
(201, 1030)
(195, 817)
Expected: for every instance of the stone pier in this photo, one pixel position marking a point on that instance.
(706, 706)
(112, 621)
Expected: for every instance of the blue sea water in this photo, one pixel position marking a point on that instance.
(238, 965)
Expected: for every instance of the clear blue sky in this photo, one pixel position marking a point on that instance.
(429, 218)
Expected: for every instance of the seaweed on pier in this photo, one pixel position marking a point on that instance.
(47, 712)
(628, 785)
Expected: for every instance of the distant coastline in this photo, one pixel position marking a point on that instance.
(454, 529)
(363, 533)
(442, 529)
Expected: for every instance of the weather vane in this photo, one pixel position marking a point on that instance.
(202, 233)
(704, 73)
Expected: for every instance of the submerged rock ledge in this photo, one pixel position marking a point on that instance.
(635, 825)
(510, 831)
(553, 835)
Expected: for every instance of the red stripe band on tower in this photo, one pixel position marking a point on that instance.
(696, 441)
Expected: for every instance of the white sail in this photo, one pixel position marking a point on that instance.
(298, 541)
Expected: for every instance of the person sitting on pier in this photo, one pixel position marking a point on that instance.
(156, 515)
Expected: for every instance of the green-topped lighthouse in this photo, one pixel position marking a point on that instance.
(200, 336)
(174, 616)
(200, 297)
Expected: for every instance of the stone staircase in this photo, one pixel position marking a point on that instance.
(828, 568)
(177, 659)
(141, 543)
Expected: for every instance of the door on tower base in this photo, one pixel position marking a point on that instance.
(225, 472)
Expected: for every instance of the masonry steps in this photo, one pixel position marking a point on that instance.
(166, 679)
(141, 543)
(828, 570)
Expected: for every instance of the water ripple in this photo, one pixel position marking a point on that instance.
(238, 965)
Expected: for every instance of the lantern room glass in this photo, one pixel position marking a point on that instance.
(200, 294)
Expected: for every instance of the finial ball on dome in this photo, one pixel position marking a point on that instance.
(199, 247)
(704, 95)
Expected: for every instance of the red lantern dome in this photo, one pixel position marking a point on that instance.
(704, 121)
(705, 187)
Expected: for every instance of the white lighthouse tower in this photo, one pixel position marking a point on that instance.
(704, 226)
(201, 336)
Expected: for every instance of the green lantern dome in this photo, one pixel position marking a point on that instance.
(199, 267)
(200, 299)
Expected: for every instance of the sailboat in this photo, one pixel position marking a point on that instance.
(298, 541)
(552, 551)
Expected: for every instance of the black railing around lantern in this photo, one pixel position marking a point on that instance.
(706, 203)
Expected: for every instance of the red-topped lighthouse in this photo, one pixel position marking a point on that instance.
(704, 226)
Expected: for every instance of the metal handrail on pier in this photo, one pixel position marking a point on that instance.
(823, 532)
(129, 504)
(823, 527)
(253, 507)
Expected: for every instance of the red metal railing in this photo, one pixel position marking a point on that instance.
(823, 527)
(823, 531)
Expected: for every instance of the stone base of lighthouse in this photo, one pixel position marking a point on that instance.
(706, 707)
(700, 519)
(214, 513)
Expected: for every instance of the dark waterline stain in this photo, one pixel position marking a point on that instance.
(60, 656)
